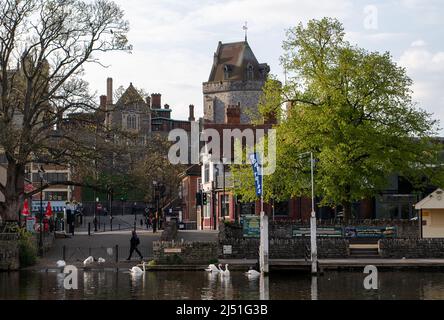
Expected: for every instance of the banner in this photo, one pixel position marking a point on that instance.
(254, 159)
(370, 232)
(322, 232)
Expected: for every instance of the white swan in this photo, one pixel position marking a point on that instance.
(101, 260)
(252, 273)
(61, 264)
(88, 261)
(226, 272)
(137, 271)
(213, 268)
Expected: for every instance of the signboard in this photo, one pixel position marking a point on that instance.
(322, 232)
(172, 250)
(251, 226)
(370, 232)
(30, 221)
(228, 249)
(254, 159)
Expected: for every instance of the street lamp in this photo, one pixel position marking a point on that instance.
(313, 246)
(95, 214)
(155, 200)
(41, 172)
(224, 160)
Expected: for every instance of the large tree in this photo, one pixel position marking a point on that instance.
(353, 109)
(43, 48)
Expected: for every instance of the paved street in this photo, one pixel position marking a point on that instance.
(103, 244)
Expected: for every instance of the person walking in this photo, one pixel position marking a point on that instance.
(154, 223)
(134, 242)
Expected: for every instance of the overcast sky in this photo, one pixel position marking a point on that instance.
(174, 42)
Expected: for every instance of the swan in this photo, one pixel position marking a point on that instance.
(61, 264)
(136, 270)
(226, 272)
(88, 261)
(252, 273)
(101, 260)
(213, 268)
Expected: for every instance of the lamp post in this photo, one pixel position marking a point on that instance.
(41, 172)
(313, 244)
(156, 203)
(95, 213)
(224, 160)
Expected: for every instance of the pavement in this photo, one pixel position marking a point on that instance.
(113, 246)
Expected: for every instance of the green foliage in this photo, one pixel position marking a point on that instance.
(213, 261)
(27, 248)
(152, 263)
(174, 259)
(352, 109)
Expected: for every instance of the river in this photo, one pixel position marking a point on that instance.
(165, 285)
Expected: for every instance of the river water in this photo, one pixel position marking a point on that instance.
(184, 285)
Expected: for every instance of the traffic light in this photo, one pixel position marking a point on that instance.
(199, 198)
(204, 199)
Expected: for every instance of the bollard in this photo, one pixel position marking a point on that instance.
(117, 253)
(89, 251)
(64, 253)
(89, 228)
(111, 225)
(104, 227)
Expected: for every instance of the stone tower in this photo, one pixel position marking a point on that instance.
(236, 79)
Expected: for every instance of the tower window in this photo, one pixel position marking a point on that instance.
(250, 72)
(227, 71)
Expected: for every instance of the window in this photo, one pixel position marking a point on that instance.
(250, 72)
(281, 208)
(225, 199)
(227, 72)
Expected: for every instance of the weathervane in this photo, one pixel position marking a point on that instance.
(245, 28)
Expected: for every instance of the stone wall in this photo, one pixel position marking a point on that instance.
(411, 248)
(9, 252)
(283, 229)
(328, 248)
(172, 252)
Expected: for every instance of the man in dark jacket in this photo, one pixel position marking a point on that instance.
(134, 242)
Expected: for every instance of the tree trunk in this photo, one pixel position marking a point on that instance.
(14, 195)
(347, 207)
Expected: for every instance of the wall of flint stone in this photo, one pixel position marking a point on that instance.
(9, 252)
(412, 248)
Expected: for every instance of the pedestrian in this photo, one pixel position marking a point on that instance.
(154, 222)
(134, 242)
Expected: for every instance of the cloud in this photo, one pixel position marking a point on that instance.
(426, 68)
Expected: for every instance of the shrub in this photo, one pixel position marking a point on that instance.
(27, 249)
(152, 263)
(213, 261)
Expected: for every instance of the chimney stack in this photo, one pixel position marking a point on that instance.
(156, 101)
(109, 91)
(232, 114)
(191, 115)
(103, 100)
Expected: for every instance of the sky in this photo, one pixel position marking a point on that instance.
(174, 42)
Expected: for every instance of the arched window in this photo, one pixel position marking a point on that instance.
(226, 72)
(250, 72)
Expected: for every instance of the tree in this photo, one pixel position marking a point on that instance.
(353, 109)
(43, 48)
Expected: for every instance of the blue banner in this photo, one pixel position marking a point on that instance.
(254, 159)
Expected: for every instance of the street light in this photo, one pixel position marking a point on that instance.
(95, 214)
(156, 203)
(313, 246)
(41, 172)
(224, 160)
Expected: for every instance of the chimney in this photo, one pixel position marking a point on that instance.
(109, 91)
(191, 115)
(232, 114)
(148, 101)
(166, 106)
(156, 101)
(103, 100)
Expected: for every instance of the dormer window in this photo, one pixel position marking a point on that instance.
(227, 71)
(250, 72)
